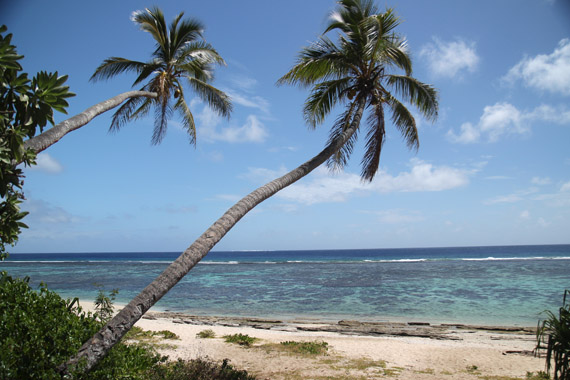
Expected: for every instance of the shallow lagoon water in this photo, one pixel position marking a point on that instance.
(477, 285)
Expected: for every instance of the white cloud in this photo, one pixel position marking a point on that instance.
(327, 187)
(502, 119)
(565, 187)
(449, 59)
(45, 213)
(543, 223)
(540, 181)
(397, 216)
(46, 163)
(525, 215)
(256, 102)
(252, 131)
(512, 198)
(545, 72)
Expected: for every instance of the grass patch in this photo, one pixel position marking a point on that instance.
(206, 334)
(392, 372)
(473, 370)
(428, 371)
(241, 339)
(140, 335)
(306, 348)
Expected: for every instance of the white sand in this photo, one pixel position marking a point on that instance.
(475, 354)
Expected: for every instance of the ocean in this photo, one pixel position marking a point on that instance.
(505, 285)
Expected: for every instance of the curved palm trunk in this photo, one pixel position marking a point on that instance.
(53, 135)
(97, 347)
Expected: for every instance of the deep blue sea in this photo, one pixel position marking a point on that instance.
(509, 285)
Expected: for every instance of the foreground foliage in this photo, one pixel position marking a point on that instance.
(39, 330)
(26, 105)
(553, 335)
(198, 369)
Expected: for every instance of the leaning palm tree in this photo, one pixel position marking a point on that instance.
(354, 73)
(179, 54)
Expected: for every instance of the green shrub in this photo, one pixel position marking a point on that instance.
(104, 308)
(241, 339)
(553, 335)
(39, 330)
(197, 369)
(205, 334)
(311, 348)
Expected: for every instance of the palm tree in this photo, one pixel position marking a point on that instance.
(353, 72)
(179, 54)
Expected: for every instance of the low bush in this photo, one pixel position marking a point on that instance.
(206, 334)
(197, 369)
(311, 348)
(553, 335)
(39, 330)
(241, 339)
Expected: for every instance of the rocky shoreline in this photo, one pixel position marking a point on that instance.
(346, 327)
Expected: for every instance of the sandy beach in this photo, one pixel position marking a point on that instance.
(356, 350)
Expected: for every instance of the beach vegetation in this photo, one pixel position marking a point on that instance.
(39, 330)
(241, 339)
(198, 369)
(306, 348)
(553, 336)
(104, 308)
(137, 333)
(367, 72)
(26, 107)
(206, 334)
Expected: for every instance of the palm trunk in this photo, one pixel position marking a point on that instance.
(53, 135)
(97, 347)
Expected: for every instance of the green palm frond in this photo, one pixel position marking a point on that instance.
(126, 111)
(148, 69)
(405, 123)
(374, 142)
(322, 60)
(339, 160)
(114, 66)
(216, 99)
(200, 51)
(323, 98)
(421, 95)
(185, 32)
(187, 117)
(152, 21)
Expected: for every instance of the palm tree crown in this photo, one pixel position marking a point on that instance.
(355, 72)
(180, 53)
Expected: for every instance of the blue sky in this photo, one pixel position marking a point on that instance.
(493, 170)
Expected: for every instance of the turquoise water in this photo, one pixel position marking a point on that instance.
(483, 285)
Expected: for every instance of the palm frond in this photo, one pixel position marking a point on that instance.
(321, 60)
(199, 51)
(186, 114)
(216, 99)
(421, 95)
(162, 114)
(405, 123)
(152, 21)
(125, 111)
(323, 98)
(339, 160)
(185, 32)
(147, 70)
(374, 142)
(114, 66)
